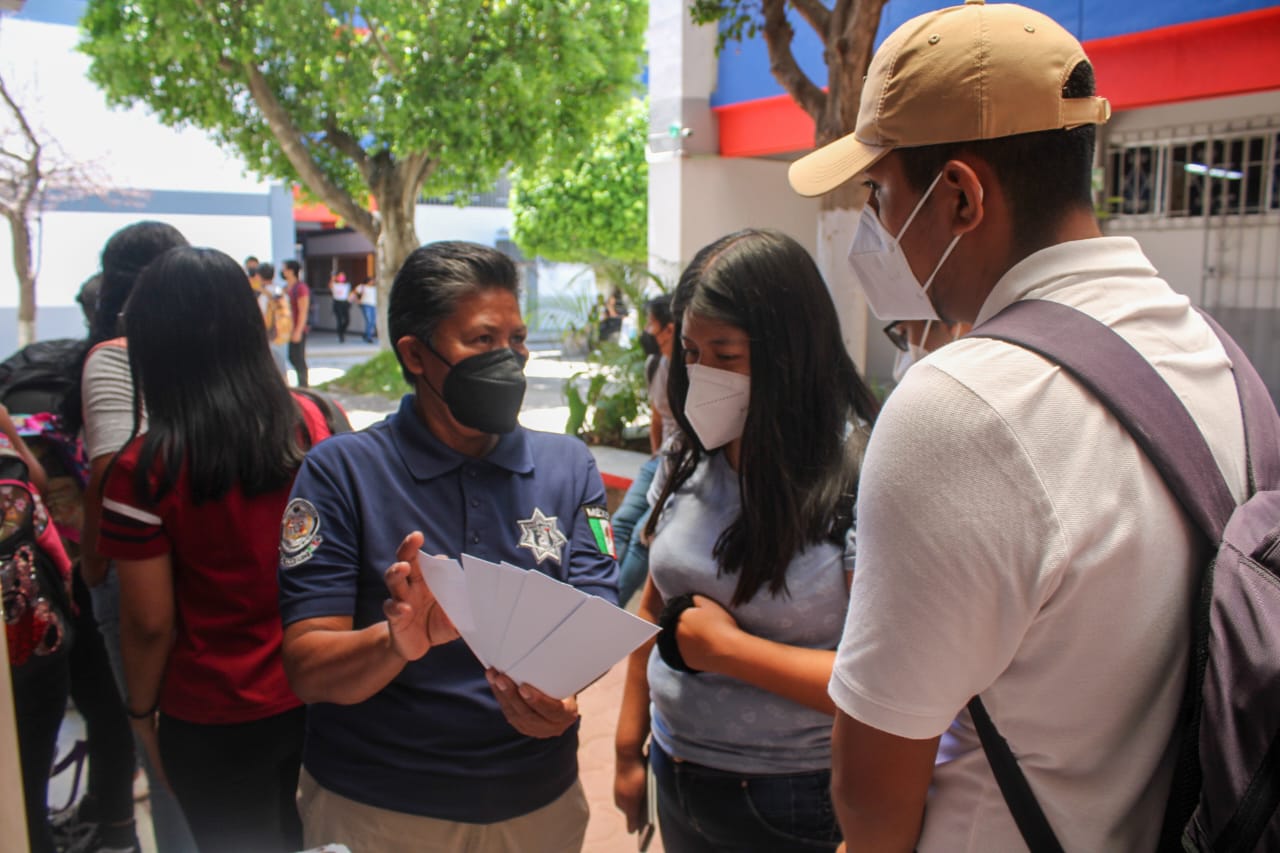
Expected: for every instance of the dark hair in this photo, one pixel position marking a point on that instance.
(88, 296)
(659, 308)
(126, 253)
(809, 411)
(293, 267)
(215, 400)
(1043, 174)
(266, 271)
(251, 258)
(434, 278)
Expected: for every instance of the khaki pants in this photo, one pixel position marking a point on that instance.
(328, 818)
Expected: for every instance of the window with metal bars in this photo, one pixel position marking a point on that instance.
(1234, 173)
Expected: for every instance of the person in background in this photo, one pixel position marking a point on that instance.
(251, 267)
(191, 517)
(299, 295)
(340, 290)
(35, 573)
(411, 745)
(750, 561)
(104, 404)
(915, 339)
(367, 295)
(657, 339)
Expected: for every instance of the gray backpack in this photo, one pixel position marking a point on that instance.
(1226, 784)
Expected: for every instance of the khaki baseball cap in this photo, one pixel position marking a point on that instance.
(956, 75)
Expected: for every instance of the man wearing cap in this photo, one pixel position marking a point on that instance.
(1014, 543)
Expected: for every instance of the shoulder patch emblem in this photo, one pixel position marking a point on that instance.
(541, 534)
(601, 528)
(299, 533)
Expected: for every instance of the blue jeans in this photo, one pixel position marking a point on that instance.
(630, 517)
(704, 810)
(370, 322)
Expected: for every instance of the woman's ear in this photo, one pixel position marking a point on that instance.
(413, 354)
(970, 197)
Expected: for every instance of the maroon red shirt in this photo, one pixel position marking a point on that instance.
(225, 664)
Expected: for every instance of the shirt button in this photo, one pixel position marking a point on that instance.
(471, 472)
(475, 538)
(475, 502)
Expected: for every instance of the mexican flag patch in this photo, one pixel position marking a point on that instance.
(601, 528)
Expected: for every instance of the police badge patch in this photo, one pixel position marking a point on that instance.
(601, 528)
(299, 533)
(541, 535)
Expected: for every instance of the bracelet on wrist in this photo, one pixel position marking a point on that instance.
(145, 715)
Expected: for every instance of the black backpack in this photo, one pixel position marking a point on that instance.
(38, 377)
(1226, 783)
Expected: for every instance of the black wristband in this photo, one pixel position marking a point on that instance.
(668, 621)
(145, 715)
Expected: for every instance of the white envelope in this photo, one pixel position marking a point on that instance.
(582, 648)
(534, 628)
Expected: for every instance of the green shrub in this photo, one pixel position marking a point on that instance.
(379, 375)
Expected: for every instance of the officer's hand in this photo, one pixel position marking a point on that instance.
(530, 711)
(702, 633)
(414, 617)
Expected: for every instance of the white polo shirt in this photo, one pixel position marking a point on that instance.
(1014, 542)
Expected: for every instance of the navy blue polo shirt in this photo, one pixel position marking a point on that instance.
(433, 742)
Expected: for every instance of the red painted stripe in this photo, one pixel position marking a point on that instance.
(1211, 58)
(613, 481)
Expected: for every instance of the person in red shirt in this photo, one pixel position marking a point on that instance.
(300, 305)
(191, 514)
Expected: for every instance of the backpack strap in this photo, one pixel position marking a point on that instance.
(1135, 394)
(1021, 800)
(1131, 389)
(1261, 423)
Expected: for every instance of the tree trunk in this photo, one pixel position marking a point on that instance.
(20, 232)
(397, 237)
(837, 219)
(850, 38)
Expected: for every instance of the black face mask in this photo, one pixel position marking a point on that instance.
(649, 344)
(484, 391)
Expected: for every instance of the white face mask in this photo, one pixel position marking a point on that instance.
(716, 405)
(891, 288)
(914, 353)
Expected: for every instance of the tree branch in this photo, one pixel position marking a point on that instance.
(26, 183)
(382, 47)
(817, 16)
(778, 35)
(347, 144)
(290, 139)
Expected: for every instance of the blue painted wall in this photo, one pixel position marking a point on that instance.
(744, 66)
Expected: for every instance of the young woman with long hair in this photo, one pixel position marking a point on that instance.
(750, 558)
(191, 515)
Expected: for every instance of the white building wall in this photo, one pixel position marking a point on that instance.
(695, 196)
(126, 151)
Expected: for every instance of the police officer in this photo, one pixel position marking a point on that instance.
(411, 744)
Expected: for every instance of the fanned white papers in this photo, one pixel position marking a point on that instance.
(535, 629)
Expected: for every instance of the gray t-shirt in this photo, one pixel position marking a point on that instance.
(106, 396)
(715, 720)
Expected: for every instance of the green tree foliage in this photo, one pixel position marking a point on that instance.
(595, 207)
(373, 99)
